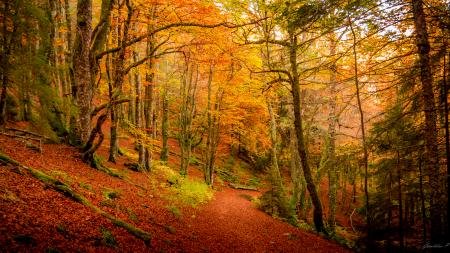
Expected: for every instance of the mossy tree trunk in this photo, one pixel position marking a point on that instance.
(295, 89)
(213, 130)
(430, 132)
(188, 92)
(276, 179)
(7, 40)
(331, 147)
(118, 83)
(363, 132)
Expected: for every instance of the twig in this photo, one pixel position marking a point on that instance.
(351, 221)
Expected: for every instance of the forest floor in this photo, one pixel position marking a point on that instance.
(36, 218)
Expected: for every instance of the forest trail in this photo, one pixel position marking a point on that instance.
(231, 223)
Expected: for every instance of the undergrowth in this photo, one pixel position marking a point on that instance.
(108, 238)
(181, 190)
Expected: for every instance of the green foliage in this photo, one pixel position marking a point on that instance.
(183, 190)
(108, 203)
(61, 229)
(254, 181)
(132, 214)
(344, 238)
(111, 193)
(108, 238)
(191, 192)
(247, 197)
(52, 250)
(174, 210)
(271, 203)
(11, 107)
(97, 163)
(262, 162)
(227, 175)
(61, 175)
(33, 147)
(170, 229)
(194, 161)
(85, 186)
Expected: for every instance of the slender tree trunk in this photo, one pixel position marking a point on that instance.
(295, 89)
(165, 124)
(400, 203)
(4, 62)
(208, 155)
(447, 143)
(389, 226)
(118, 83)
(422, 202)
(139, 114)
(188, 92)
(430, 134)
(363, 133)
(296, 175)
(332, 195)
(148, 113)
(277, 183)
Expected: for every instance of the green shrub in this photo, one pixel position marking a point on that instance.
(108, 203)
(132, 214)
(273, 204)
(61, 175)
(111, 194)
(108, 238)
(174, 210)
(254, 181)
(191, 192)
(85, 186)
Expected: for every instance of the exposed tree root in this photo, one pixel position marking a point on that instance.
(97, 164)
(69, 192)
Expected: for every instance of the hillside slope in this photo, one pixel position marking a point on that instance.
(34, 217)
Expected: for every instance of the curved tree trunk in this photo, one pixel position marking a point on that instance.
(295, 89)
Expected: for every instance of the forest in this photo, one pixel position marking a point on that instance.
(224, 125)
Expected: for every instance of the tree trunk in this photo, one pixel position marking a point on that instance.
(187, 111)
(400, 204)
(331, 164)
(430, 134)
(6, 42)
(295, 88)
(277, 182)
(296, 175)
(164, 156)
(118, 83)
(363, 133)
(422, 202)
(447, 142)
(82, 68)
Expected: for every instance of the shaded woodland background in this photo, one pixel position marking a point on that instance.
(342, 104)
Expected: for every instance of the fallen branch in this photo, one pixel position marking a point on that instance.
(39, 149)
(351, 220)
(69, 192)
(26, 132)
(243, 187)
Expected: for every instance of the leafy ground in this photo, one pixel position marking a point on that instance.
(35, 217)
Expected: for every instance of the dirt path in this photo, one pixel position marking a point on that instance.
(231, 223)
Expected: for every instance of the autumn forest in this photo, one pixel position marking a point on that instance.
(224, 125)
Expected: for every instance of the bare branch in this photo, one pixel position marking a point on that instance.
(173, 25)
(105, 105)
